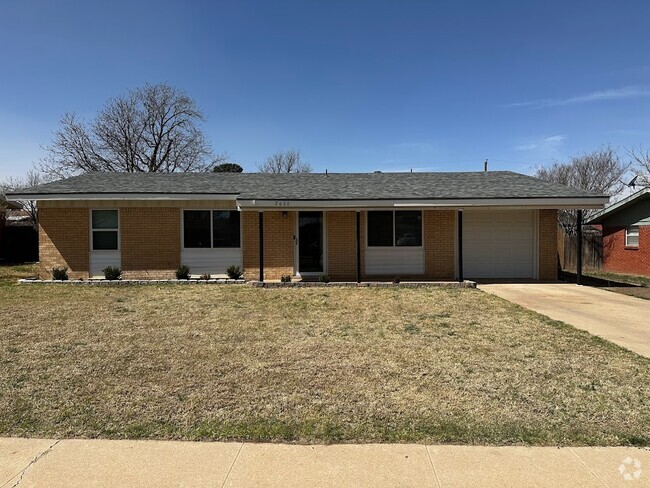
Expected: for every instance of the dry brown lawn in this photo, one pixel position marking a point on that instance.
(309, 365)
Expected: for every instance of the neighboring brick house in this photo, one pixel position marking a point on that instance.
(353, 227)
(626, 234)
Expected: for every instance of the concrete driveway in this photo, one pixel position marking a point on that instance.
(621, 319)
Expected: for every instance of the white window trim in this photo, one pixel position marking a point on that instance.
(90, 223)
(241, 228)
(394, 229)
(627, 235)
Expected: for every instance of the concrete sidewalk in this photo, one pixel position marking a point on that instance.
(104, 463)
(621, 319)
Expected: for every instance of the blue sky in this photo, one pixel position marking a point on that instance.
(355, 85)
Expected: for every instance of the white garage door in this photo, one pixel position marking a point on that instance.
(499, 243)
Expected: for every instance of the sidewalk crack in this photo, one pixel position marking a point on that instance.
(32, 462)
(587, 467)
(433, 468)
(232, 465)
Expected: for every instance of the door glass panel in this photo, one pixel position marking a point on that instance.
(310, 242)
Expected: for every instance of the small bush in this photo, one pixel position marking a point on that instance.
(183, 272)
(205, 276)
(324, 278)
(112, 273)
(60, 274)
(235, 272)
(285, 279)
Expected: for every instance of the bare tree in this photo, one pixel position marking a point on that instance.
(599, 171)
(32, 178)
(285, 162)
(640, 165)
(154, 128)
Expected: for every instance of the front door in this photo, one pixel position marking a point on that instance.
(310, 243)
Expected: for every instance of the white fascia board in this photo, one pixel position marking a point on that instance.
(550, 203)
(618, 205)
(124, 196)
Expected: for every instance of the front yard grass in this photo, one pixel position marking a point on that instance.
(641, 290)
(309, 365)
(9, 274)
(624, 278)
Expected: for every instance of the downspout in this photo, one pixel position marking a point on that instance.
(358, 247)
(579, 248)
(261, 237)
(460, 245)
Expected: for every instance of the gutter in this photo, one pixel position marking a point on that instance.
(550, 203)
(124, 196)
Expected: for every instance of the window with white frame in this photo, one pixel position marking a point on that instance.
(394, 228)
(105, 230)
(632, 236)
(211, 229)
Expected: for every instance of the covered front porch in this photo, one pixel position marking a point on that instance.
(405, 244)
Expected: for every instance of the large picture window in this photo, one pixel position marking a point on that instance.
(105, 230)
(380, 228)
(225, 229)
(387, 228)
(211, 229)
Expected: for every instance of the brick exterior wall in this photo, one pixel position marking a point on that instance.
(440, 244)
(250, 244)
(342, 245)
(278, 244)
(618, 258)
(548, 250)
(63, 241)
(150, 242)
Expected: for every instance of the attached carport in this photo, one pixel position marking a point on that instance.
(505, 242)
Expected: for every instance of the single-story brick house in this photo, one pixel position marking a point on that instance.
(356, 226)
(626, 234)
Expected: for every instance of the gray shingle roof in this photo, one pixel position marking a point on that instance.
(316, 186)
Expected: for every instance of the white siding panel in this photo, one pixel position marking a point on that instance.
(212, 261)
(100, 259)
(394, 261)
(498, 243)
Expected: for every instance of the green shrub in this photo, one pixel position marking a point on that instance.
(235, 272)
(183, 272)
(112, 273)
(285, 279)
(205, 276)
(324, 278)
(60, 273)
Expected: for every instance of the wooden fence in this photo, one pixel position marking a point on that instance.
(592, 249)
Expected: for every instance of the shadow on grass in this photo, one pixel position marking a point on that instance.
(587, 280)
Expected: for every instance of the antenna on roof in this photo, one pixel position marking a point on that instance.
(485, 166)
(632, 184)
